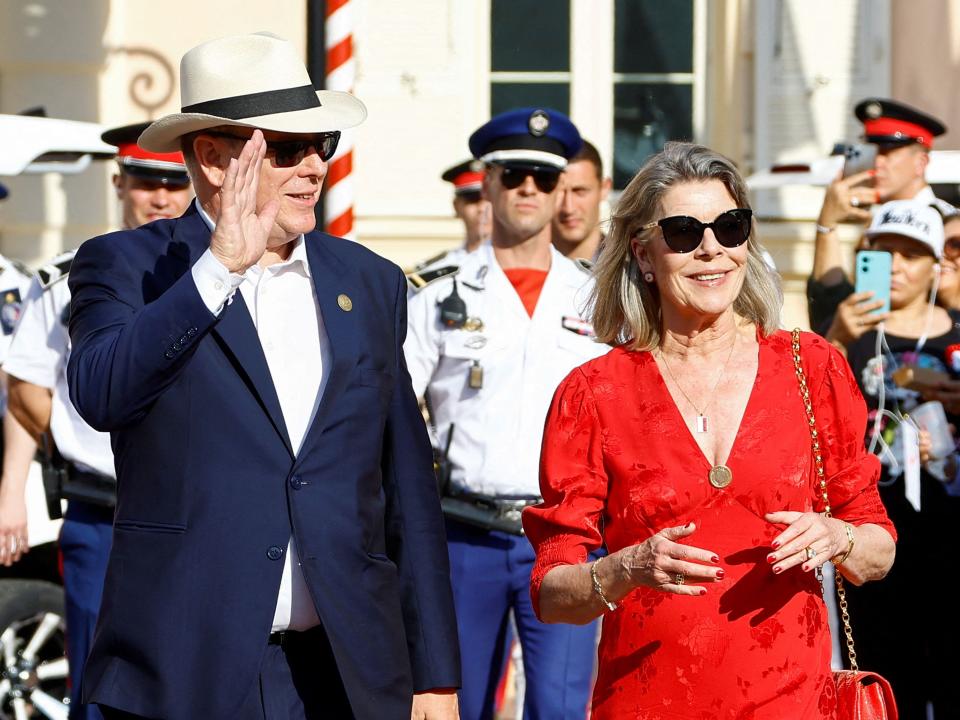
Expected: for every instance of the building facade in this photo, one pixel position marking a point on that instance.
(763, 82)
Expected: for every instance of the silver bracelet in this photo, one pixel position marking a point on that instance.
(824, 230)
(598, 588)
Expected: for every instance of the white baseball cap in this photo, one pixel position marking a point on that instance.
(910, 218)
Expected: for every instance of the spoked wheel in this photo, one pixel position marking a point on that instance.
(33, 678)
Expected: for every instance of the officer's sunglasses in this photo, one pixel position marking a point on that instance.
(513, 177)
(684, 234)
(290, 153)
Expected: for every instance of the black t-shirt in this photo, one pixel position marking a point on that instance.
(822, 302)
(941, 353)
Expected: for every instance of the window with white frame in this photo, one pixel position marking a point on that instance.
(643, 52)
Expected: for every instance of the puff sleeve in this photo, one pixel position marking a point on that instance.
(841, 415)
(566, 526)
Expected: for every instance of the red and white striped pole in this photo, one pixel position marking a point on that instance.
(340, 72)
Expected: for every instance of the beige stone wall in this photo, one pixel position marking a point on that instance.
(107, 61)
(926, 67)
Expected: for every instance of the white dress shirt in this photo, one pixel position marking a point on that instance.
(285, 312)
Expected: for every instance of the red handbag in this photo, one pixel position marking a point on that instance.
(861, 695)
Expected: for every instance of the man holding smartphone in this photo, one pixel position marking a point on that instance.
(903, 137)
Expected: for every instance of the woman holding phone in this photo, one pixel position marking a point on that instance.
(918, 658)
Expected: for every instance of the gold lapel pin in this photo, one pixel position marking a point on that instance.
(345, 303)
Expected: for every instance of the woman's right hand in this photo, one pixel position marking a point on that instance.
(662, 563)
(854, 317)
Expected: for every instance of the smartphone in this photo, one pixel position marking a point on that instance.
(873, 274)
(859, 157)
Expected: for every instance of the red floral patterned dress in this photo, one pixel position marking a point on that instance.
(619, 464)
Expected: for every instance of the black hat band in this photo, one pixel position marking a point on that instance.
(269, 102)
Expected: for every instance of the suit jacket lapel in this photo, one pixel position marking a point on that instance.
(239, 336)
(234, 330)
(331, 280)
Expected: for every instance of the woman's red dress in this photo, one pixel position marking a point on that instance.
(619, 464)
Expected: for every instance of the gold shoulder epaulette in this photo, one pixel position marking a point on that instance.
(419, 280)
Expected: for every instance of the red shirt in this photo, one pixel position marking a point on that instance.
(528, 283)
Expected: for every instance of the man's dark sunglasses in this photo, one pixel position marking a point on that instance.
(289, 153)
(513, 177)
(684, 234)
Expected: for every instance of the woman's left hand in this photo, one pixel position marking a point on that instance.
(825, 537)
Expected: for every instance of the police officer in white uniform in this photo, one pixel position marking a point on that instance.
(149, 186)
(16, 447)
(487, 345)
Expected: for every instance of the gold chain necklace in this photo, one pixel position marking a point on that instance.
(701, 421)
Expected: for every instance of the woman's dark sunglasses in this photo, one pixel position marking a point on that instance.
(684, 234)
(513, 177)
(289, 153)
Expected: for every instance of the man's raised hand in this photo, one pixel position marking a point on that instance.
(240, 236)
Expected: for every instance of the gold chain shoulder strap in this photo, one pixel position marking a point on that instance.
(822, 480)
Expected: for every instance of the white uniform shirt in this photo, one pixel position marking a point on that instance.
(286, 314)
(495, 449)
(39, 354)
(14, 284)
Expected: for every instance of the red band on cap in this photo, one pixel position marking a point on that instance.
(132, 150)
(468, 178)
(890, 126)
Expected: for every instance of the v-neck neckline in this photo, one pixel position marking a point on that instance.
(678, 415)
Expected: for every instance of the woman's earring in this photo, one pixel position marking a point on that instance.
(648, 276)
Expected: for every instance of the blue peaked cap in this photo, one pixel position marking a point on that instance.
(527, 136)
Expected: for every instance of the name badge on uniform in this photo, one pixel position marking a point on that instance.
(578, 326)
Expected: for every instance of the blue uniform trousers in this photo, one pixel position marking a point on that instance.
(85, 546)
(490, 574)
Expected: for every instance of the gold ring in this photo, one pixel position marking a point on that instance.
(811, 553)
(680, 579)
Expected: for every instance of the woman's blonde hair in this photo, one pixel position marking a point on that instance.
(625, 308)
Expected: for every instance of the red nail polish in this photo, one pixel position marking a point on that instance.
(714, 559)
(775, 545)
(720, 574)
(703, 592)
(777, 570)
(771, 558)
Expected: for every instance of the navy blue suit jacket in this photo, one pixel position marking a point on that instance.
(209, 491)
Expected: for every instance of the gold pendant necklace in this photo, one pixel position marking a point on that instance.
(720, 476)
(700, 423)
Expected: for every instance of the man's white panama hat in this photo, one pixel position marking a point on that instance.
(256, 81)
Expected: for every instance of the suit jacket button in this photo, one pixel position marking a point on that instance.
(295, 482)
(275, 552)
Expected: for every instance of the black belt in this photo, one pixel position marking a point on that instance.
(484, 511)
(286, 638)
(89, 487)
